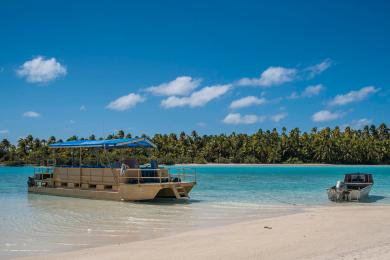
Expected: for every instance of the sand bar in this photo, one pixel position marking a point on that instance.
(333, 232)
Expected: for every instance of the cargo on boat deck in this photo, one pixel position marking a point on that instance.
(355, 187)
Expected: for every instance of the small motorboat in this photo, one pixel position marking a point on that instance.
(355, 187)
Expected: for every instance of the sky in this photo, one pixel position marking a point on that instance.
(93, 67)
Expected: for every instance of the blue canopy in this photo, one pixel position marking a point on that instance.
(113, 143)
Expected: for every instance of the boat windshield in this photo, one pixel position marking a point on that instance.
(358, 178)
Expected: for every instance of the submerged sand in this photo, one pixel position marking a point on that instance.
(342, 231)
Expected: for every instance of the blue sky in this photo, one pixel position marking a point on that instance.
(72, 67)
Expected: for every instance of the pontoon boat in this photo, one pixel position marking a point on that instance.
(118, 181)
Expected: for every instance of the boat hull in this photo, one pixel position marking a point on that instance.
(125, 192)
(361, 194)
(349, 195)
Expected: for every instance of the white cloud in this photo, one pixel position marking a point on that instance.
(279, 117)
(83, 108)
(247, 101)
(310, 91)
(31, 114)
(198, 98)
(326, 115)
(41, 70)
(126, 102)
(237, 118)
(353, 96)
(271, 77)
(72, 122)
(318, 68)
(179, 87)
(4, 131)
(358, 124)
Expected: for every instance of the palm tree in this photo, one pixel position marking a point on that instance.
(370, 145)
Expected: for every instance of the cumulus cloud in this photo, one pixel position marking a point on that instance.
(126, 102)
(279, 75)
(4, 131)
(181, 86)
(198, 98)
(31, 114)
(237, 118)
(278, 117)
(271, 77)
(318, 68)
(326, 115)
(353, 96)
(359, 124)
(83, 108)
(41, 70)
(310, 91)
(247, 101)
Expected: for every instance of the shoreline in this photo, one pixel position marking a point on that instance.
(280, 165)
(249, 165)
(293, 236)
(267, 211)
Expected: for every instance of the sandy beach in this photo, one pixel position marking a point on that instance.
(342, 231)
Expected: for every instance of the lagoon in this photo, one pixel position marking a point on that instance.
(38, 224)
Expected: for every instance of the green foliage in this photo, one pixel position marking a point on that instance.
(200, 160)
(370, 145)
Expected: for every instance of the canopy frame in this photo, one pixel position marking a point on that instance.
(112, 143)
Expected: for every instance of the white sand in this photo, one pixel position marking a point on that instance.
(343, 231)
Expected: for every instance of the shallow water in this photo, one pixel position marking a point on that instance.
(38, 224)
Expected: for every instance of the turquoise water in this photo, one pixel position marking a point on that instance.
(301, 185)
(38, 224)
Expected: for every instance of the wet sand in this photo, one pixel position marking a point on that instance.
(342, 231)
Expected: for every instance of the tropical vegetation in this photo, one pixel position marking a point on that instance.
(370, 145)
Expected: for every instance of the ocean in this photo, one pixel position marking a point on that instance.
(33, 224)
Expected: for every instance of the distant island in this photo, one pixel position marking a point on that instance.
(370, 145)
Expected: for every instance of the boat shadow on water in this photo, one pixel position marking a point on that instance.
(167, 201)
(368, 200)
(373, 198)
(36, 199)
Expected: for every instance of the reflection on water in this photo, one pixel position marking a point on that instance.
(44, 224)
(39, 224)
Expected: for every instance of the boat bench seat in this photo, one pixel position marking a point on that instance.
(94, 176)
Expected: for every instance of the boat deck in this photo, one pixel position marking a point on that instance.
(111, 184)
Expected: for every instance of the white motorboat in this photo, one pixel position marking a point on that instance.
(355, 187)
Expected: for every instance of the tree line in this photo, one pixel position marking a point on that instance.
(370, 145)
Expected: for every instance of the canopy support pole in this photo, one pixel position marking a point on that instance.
(72, 154)
(80, 158)
(80, 168)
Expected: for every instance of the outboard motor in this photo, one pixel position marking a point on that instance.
(340, 186)
(31, 182)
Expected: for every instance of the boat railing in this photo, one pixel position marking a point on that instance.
(115, 176)
(43, 176)
(42, 171)
(162, 175)
(184, 173)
